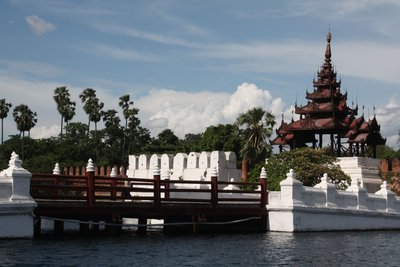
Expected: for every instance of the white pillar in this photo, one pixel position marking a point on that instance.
(291, 190)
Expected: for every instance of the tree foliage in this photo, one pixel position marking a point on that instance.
(256, 129)
(4, 109)
(309, 164)
(65, 106)
(25, 118)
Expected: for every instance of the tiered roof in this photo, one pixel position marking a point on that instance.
(327, 112)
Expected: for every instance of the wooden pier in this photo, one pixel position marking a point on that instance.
(200, 205)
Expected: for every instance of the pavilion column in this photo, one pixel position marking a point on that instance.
(358, 149)
(339, 146)
(362, 149)
(332, 145)
(320, 140)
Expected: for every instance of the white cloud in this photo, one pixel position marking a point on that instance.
(186, 112)
(39, 26)
(45, 131)
(120, 53)
(149, 36)
(388, 119)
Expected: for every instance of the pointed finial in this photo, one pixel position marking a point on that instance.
(291, 174)
(56, 169)
(90, 166)
(113, 172)
(263, 174)
(329, 36)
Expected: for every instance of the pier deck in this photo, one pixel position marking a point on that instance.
(109, 199)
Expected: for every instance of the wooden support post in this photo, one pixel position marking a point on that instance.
(142, 228)
(95, 227)
(58, 227)
(37, 227)
(214, 188)
(264, 192)
(90, 183)
(113, 176)
(157, 187)
(83, 228)
(339, 146)
(56, 179)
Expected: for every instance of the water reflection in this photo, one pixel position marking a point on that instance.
(156, 249)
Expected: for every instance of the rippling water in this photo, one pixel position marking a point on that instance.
(156, 249)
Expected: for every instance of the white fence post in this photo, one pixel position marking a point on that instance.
(291, 190)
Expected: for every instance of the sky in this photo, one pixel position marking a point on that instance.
(190, 64)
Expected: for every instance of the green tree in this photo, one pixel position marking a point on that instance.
(4, 109)
(65, 106)
(133, 131)
(125, 103)
(89, 100)
(309, 165)
(191, 143)
(113, 136)
(256, 127)
(386, 152)
(166, 142)
(221, 137)
(25, 120)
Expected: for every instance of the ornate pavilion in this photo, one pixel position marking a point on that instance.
(327, 113)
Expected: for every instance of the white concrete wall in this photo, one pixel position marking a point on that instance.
(16, 204)
(186, 167)
(323, 208)
(364, 170)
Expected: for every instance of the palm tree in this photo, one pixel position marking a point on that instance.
(258, 125)
(65, 106)
(125, 103)
(25, 120)
(4, 109)
(111, 119)
(96, 112)
(69, 113)
(88, 98)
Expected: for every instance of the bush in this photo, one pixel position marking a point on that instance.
(309, 164)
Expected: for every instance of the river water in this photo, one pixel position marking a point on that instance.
(370, 248)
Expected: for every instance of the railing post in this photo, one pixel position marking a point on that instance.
(165, 177)
(113, 175)
(214, 188)
(264, 190)
(157, 186)
(56, 180)
(90, 183)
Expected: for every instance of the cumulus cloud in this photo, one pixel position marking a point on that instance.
(39, 26)
(45, 131)
(387, 117)
(186, 112)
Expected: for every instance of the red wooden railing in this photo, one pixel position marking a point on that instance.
(90, 189)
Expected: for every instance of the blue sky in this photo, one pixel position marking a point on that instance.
(191, 64)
